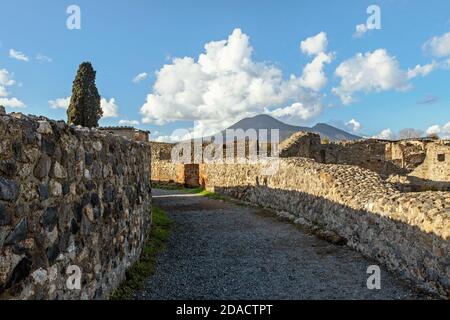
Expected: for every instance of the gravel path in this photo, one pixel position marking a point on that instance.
(221, 250)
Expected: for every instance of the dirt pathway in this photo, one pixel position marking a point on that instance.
(221, 250)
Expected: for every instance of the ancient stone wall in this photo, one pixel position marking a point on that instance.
(301, 144)
(163, 170)
(407, 232)
(436, 165)
(71, 199)
(129, 133)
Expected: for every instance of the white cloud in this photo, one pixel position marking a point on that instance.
(422, 70)
(353, 125)
(18, 55)
(225, 85)
(442, 131)
(360, 30)
(435, 129)
(298, 111)
(3, 92)
(6, 78)
(386, 134)
(445, 131)
(129, 122)
(438, 46)
(313, 74)
(60, 103)
(176, 136)
(12, 103)
(140, 77)
(370, 72)
(315, 45)
(7, 81)
(43, 58)
(109, 108)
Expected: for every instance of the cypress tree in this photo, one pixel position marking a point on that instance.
(84, 108)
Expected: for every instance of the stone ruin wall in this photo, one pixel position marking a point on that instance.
(436, 165)
(407, 232)
(411, 165)
(69, 197)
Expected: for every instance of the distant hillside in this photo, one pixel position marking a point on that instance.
(264, 121)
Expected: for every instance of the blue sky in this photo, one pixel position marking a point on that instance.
(126, 38)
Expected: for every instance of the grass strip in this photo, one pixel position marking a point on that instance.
(145, 267)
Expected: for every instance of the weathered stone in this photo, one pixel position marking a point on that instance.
(40, 276)
(9, 262)
(65, 187)
(44, 127)
(2, 110)
(58, 171)
(55, 188)
(74, 227)
(43, 192)
(42, 167)
(8, 167)
(109, 194)
(48, 147)
(50, 218)
(88, 158)
(19, 233)
(9, 190)
(5, 217)
(53, 253)
(95, 200)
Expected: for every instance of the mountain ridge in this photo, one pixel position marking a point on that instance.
(264, 121)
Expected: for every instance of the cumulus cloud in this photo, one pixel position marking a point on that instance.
(370, 72)
(60, 103)
(140, 77)
(313, 76)
(442, 131)
(225, 85)
(297, 110)
(6, 80)
(435, 129)
(438, 46)
(12, 103)
(176, 136)
(353, 125)
(315, 45)
(360, 30)
(129, 122)
(386, 134)
(423, 71)
(110, 108)
(18, 55)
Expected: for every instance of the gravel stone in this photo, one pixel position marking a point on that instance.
(220, 250)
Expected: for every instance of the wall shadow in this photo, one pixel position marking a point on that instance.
(421, 257)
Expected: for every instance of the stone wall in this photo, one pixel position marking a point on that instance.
(407, 232)
(163, 170)
(69, 197)
(436, 165)
(129, 133)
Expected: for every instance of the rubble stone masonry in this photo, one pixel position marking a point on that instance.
(75, 204)
(407, 232)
